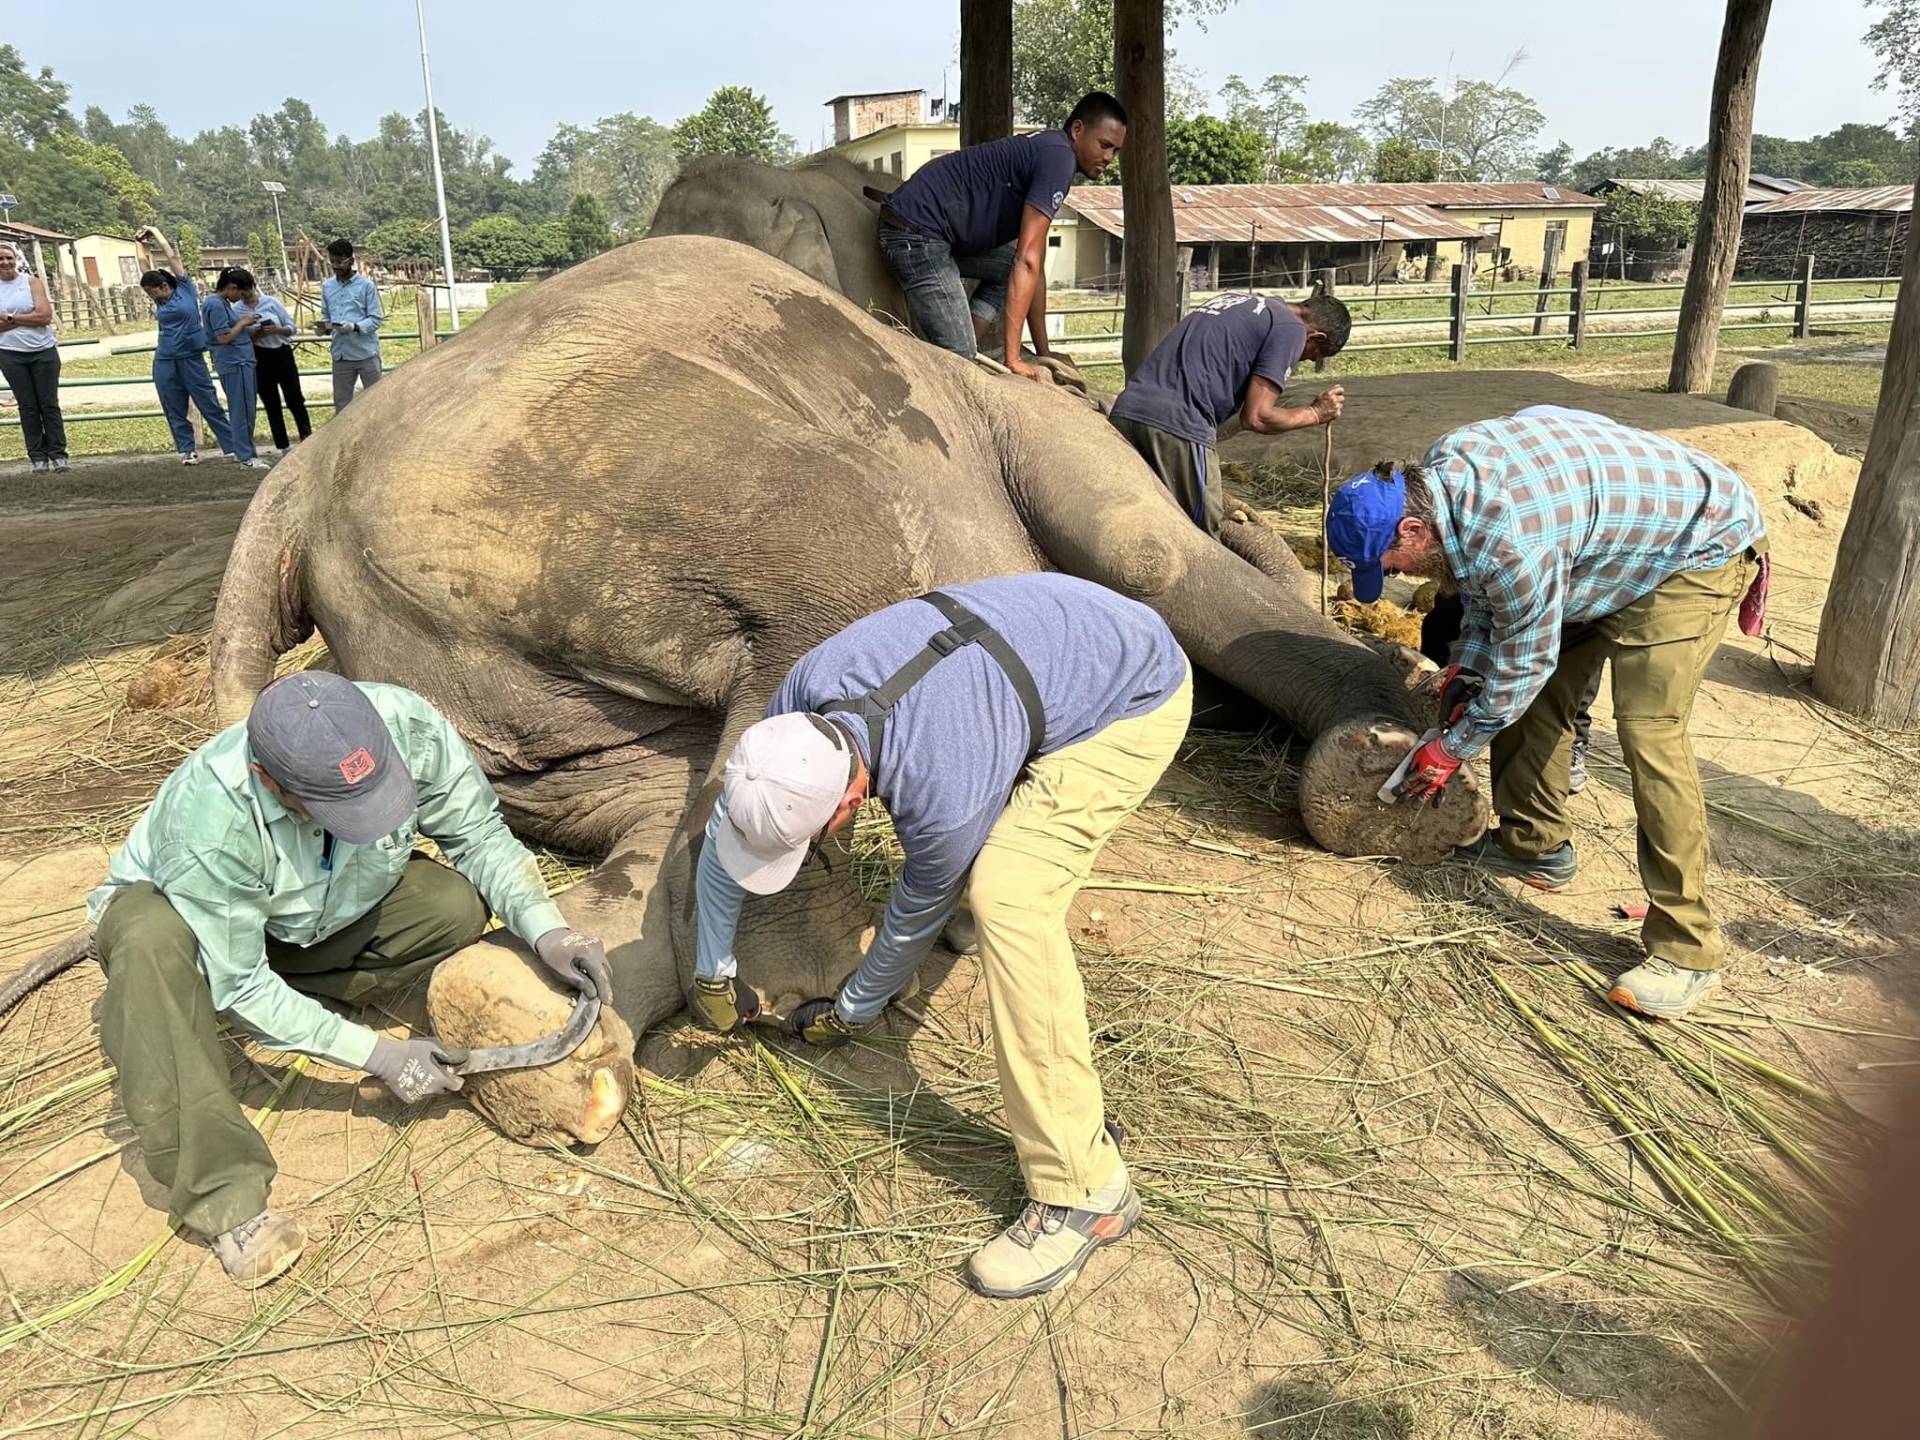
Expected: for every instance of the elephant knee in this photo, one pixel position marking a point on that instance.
(1145, 563)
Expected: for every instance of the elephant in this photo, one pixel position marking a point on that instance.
(598, 528)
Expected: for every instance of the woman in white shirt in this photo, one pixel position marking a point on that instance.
(279, 369)
(30, 362)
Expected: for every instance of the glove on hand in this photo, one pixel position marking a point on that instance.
(818, 1022)
(413, 1068)
(724, 1003)
(1426, 778)
(1458, 689)
(579, 961)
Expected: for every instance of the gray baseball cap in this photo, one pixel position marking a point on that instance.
(320, 739)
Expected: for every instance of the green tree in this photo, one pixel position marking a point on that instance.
(1854, 175)
(587, 230)
(1555, 166)
(33, 108)
(501, 245)
(552, 245)
(1205, 150)
(1401, 162)
(1895, 41)
(1061, 50)
(1482, 129)
(400, 240)
(1650, 220)
(1656, 160)
(69, 183)
(1328, 153)
(626, 161)
(734, 121)
(188, 243)
(257, 253)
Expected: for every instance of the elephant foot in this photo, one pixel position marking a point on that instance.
(1340, 798)
(494, 993)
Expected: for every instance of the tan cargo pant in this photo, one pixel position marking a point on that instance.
(1039, 854)
(1660, 646)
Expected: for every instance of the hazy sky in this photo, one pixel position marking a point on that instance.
(1615, 73)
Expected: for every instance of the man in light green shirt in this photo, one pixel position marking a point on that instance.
(277, 865)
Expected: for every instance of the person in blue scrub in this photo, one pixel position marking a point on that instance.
(230, 326)
(180, 359)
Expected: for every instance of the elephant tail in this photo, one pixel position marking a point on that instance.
(263, 611)
(49, 963)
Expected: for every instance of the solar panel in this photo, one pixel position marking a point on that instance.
(1551, 192)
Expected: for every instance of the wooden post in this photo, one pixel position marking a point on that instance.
(1716, 239)
(1868, 657)
(986, 72)
(1803, 300)
(1577, 311)
(1549, 267)
(424, 318)
(1183, 274)
(1457, 328)
(1140, 75)
(1325, 282)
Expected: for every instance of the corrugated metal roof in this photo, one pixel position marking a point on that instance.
(1692, 190)
(1200, 223)
(1532, 195)
(18, 227)
(1895, 198)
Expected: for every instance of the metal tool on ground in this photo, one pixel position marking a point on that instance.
(547, 1050)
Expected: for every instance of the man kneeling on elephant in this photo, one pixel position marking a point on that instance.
(1231, 356)
(1577, 541)
(982, 213)
(275, 865)
(1009, 726)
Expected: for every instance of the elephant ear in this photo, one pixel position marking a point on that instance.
(799, 236)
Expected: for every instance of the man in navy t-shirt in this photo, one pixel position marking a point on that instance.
(1231, 356)
(982, 214)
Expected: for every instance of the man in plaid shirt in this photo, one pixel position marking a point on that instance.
(1576, 541)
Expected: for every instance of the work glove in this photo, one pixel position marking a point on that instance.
(413, 1068)
(1427, 776)
(818, 1022)
(577, 960)
(724, 1002)
(1459, 688)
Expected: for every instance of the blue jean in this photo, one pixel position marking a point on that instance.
(242, 386)
(179, 379)
(930, 273)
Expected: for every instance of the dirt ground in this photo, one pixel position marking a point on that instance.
(1406, 1174)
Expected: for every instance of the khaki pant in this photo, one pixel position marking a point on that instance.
(157, 1024)
(1189, 470)
(1039, 854)
(1660, 646)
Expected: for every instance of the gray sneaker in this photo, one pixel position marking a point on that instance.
(40, 467)
(60, 463)
(1045, 1248)
(1663, 990)
(1577, 769)
(259, 1250)
(1554, 870)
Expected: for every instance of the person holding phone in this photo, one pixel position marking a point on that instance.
(231, 329)
(279, 369)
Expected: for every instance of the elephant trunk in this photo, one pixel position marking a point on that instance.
(262, 609)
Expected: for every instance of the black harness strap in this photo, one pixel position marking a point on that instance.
(964, 628)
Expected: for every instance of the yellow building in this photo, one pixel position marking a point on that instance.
(899, 150)
(106, 260)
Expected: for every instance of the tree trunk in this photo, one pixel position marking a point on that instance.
(986, 70)
(1140, 75)
(1868, 660)
(1716, 241)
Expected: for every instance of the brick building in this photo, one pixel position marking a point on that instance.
(857, 115)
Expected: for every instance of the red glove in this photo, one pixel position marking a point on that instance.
(1426, 778)
(1458, 687)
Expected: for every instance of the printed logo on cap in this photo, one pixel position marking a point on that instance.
(357, 766)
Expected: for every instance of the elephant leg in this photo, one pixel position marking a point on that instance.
(1267, 551)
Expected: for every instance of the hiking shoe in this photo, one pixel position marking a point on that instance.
(1552, 871)
(1045, 1248)
(39, 467)
(1577, 769)
(192, 457)
(257, 464)
(60, 463)
(1663, 990)
(261, 1249)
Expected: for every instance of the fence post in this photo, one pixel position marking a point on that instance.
(1325, 282)
(1577, 316)
(425, 319)
(1803, 301)
(1457, 321)
(1183, 279)
(1549, 267)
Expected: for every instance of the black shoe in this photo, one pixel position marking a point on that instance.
(1552, 871)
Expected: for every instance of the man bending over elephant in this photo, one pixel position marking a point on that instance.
(1576, 541)
(1229, 357)
(277, 864)
(1009, 726)
(981, 213)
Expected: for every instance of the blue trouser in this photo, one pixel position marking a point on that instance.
(930, 273)
(242, 385)
(184, 377)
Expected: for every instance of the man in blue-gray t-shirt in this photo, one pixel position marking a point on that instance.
(981, 213)
(1009, 726)
(1231, 356)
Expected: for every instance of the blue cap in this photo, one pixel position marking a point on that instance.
(322, 742)
(1361, 522)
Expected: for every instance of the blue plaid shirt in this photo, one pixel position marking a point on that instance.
(1550, 521)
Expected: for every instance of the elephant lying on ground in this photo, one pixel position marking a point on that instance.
(597, 530)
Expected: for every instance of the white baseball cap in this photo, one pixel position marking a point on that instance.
(782, 783)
